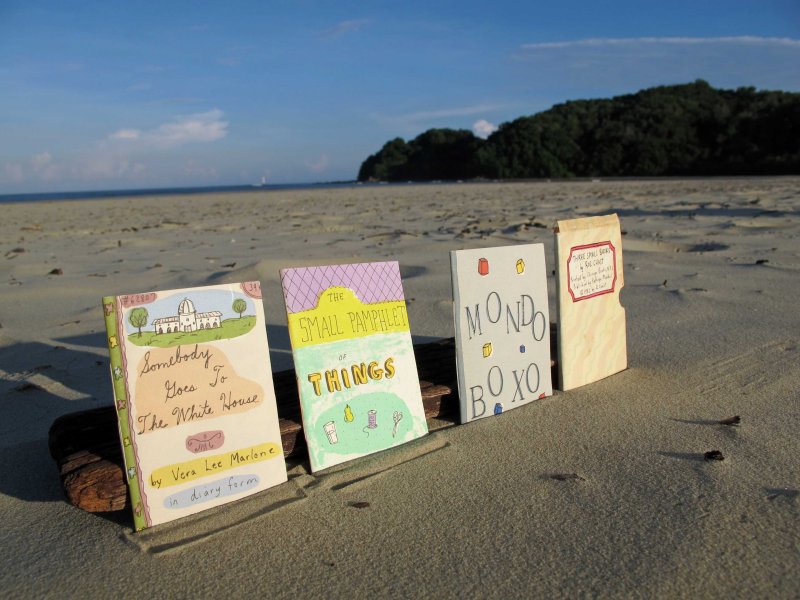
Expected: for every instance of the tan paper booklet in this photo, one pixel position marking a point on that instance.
(591, 321)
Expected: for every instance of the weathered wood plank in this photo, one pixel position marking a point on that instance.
(85, 445)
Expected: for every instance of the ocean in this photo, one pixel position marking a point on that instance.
(97, 194)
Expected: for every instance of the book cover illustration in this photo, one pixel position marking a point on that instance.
(502, 328)
(591, 321)
(195, 402)
(356, 374)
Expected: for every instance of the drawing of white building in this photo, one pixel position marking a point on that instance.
(188, 319)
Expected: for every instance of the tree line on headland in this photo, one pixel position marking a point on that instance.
(691, 129)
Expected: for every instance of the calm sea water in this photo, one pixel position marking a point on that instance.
(97, 194)
(6, 198)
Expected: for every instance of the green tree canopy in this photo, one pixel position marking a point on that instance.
(138, 318)
(691, 129)
(434, 154)
(239, 306)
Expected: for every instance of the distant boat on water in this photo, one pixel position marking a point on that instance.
(263, 182)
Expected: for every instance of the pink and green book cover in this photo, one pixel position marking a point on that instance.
(194, 396)
(356, 373)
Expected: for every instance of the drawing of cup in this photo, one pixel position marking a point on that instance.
(330, 431)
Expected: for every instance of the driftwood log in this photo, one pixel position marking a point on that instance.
(86, 448)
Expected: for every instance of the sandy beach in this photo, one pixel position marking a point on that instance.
(601, 491)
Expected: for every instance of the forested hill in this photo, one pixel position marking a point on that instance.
(691, 129)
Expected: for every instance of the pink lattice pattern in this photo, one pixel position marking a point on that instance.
(371, 282)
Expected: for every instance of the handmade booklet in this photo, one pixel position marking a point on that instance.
(356, 373)
(193, 391)
(502, 328)
(591, 321)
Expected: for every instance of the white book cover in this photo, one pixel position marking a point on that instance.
(502, 327)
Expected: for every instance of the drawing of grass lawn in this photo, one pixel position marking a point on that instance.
(229, 328)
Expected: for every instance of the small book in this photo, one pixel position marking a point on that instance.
(591, 321)
(356, 374)
(502, 328)
(193, 391)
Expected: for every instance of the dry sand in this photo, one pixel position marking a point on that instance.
(712, 270)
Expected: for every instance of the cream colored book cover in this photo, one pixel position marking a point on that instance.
(591, 321)
(194, 396)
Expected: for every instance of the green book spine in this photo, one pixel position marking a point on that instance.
(111, 310)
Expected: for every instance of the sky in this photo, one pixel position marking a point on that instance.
(102, 95)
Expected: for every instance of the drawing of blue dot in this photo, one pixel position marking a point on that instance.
(522, 348)
(498, 408)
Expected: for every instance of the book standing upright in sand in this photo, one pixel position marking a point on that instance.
(356, 373)
(194, 396)
(591, 321)
(502, 328)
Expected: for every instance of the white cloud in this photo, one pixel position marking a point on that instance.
(199, 127)
(43, 167)
(106, 166)
(196, 128)
(197, 171)
(126, 134)
(178, 100)
(445, 113)
(608, 66)
(103, 164)
(152, 69)
(319, 165)
(427, 118)
(747, 40)
(483, 129)
(12, 173)
(39, 166)
(236, 55)
(345, 27)
(124, 155)
(40, 161)
(229, 61)
(71, 66)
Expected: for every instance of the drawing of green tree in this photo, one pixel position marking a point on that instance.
(239, 306)
(138, 318)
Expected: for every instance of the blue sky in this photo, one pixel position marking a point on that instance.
(116, 95)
